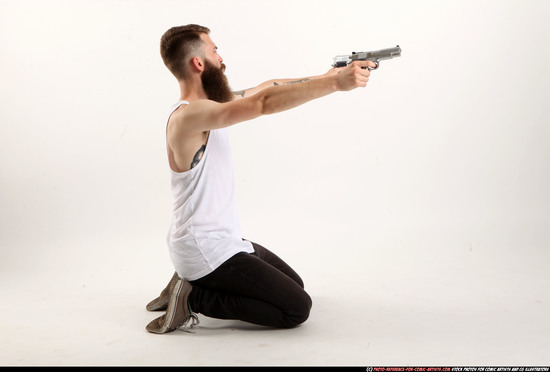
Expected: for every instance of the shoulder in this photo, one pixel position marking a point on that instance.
(179, 119)
(204, 115)
(190, 111)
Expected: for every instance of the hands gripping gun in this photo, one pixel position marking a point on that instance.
(374, 56)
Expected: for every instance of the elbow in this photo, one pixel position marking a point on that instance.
(262, 104)
(267, 103)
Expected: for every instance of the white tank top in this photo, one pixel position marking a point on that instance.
(204, 230)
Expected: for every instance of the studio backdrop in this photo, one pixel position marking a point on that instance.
(447, 148)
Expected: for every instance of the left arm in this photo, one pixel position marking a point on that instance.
(270, 83)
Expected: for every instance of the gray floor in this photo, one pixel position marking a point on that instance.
(410, 305)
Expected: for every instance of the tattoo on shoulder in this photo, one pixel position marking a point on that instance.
(198, 157)
(292, 82)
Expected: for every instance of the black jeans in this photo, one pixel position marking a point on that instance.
(257, 287)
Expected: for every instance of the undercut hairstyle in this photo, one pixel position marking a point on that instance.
(178, 44)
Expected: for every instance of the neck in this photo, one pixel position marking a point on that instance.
(191, 90)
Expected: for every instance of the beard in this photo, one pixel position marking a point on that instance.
(215, 83)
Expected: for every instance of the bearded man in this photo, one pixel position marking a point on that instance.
(218, 273)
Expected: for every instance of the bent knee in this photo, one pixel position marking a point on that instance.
(299, 313)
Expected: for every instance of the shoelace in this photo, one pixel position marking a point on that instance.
(189, 323)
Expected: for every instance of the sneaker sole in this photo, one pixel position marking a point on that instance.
(172, 304)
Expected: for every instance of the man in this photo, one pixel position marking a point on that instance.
(218, 273)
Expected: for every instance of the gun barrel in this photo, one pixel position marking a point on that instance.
(385, 53)
(375, 56)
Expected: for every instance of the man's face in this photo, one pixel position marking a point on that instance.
(211, 50)
(214, 81)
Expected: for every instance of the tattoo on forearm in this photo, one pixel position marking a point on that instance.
(243, 92)
(198, 156)
(291, 82)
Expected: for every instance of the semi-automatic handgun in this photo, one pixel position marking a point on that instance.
(374, 56)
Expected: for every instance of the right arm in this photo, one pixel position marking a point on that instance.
(205, 115)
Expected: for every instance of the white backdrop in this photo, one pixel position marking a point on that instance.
(442, 157)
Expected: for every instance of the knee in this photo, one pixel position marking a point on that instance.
(300, 311)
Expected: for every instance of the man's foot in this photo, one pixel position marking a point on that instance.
(161, 302)
(177, 313)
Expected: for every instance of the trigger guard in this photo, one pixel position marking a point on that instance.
(373, 68)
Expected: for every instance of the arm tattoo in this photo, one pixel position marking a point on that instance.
(243, 92)
(292, 82)
(198, 156)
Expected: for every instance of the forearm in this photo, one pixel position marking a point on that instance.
(281, 97)
(270, 83)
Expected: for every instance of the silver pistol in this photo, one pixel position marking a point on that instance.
(374, 56)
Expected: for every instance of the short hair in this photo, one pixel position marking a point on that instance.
(176, 46)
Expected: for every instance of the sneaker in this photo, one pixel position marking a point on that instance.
(161, 302)
(178, 312)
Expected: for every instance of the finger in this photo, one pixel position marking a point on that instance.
(362, 73)
(361, 80)
(365, 72)
(365, 76)
(372, 64)
(359, 67)
(365, 64)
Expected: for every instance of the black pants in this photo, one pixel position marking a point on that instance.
(257, 287)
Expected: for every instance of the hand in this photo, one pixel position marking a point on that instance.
(332, 71)
(354, 75)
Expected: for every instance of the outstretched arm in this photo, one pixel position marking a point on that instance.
(204, 115)
(270, 83)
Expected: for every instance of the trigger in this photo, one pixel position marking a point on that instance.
(372, 68)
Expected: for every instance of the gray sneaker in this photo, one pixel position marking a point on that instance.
(178, 312)
(161, 302)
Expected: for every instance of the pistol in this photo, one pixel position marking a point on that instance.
(374, 56)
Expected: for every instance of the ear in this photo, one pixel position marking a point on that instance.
(197, 63)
